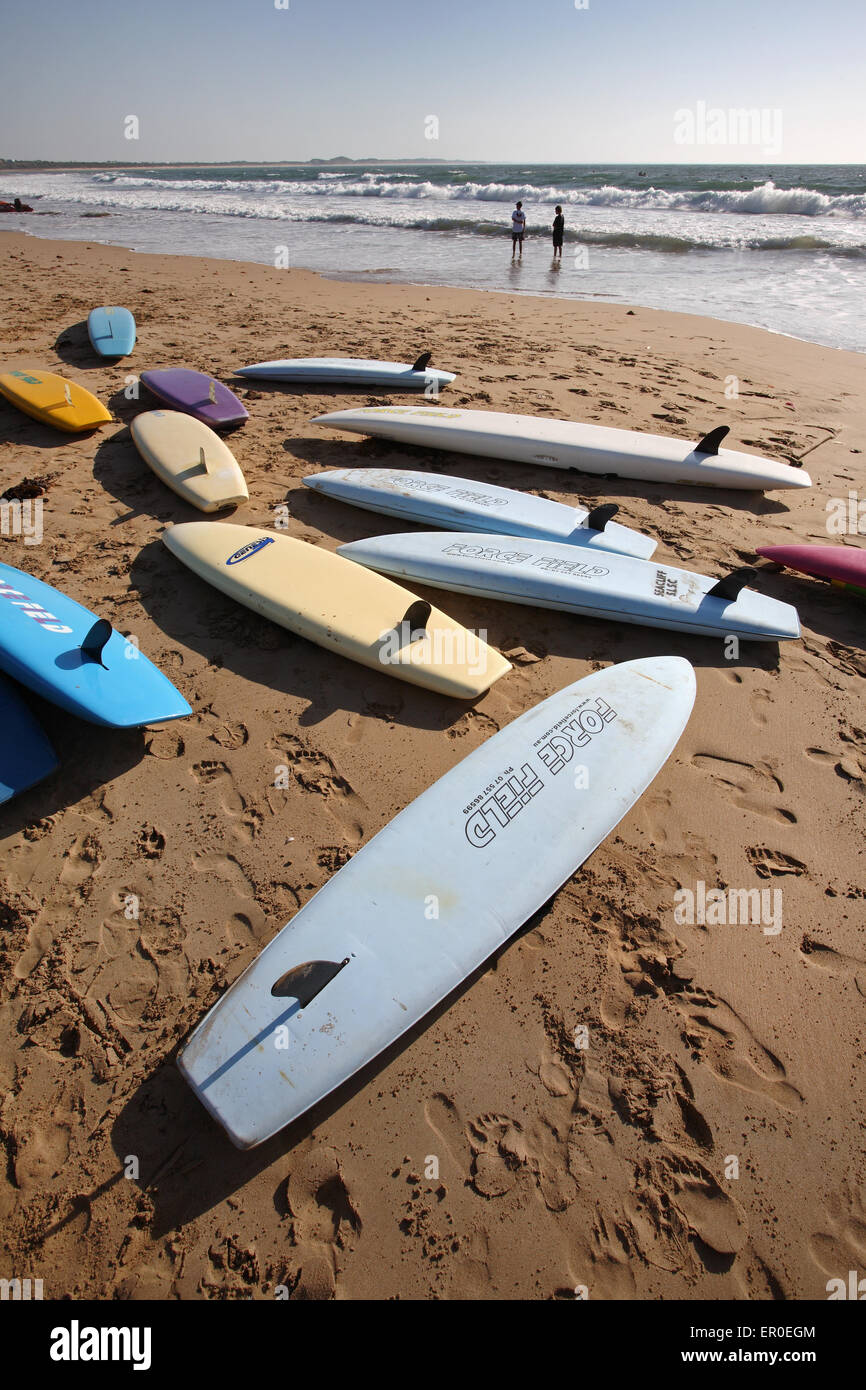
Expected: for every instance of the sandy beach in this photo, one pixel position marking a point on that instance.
(708, 1144)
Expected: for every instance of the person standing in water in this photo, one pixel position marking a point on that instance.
(518, 227)
(558, 232)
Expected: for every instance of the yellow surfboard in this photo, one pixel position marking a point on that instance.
(190, 458)
(54, 400)
(341, 606)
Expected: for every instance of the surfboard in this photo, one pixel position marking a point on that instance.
(54, 646)
(196, 394)
(190, 458)
(544, 574)
(111, 330)
(321, 597)
(567, 444)
(26, 756)
(54, 400)
(360, 371)
(421, 906)
(843, 565)
(459, 504)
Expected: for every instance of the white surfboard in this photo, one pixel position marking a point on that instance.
(546, 575)
(360, 371)
(567, 444)
(338, 605)
(459, 504)
(433, 895)
(190, 458)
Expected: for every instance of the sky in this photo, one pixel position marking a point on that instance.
(509, 81)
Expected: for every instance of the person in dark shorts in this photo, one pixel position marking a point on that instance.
(518, 227)
(558, 231)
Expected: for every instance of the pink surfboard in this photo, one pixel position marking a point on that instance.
(846, 564)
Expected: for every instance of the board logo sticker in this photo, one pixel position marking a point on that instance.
(24, 376)
(247, 550)
(496, 806)
(32, 609)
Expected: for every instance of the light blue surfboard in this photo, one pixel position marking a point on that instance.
(111, 330)
(426, 901)
(544, 574)
(352, 371)
(26, 756)
(69, 656)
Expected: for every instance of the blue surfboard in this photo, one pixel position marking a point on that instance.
(26, 756)
(111, 330)
(66, 654)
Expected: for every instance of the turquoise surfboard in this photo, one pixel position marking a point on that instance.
(51, 644)
(26, 756)
(111, 330)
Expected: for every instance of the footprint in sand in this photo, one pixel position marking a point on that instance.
(772, 863)
(245, 822)
(501, 1149)
(315, 771)
(749, 785)
(711, 1215)
(848, 767)
(442, 1116)
(166, 744)
(81, 860)
(151, 842)
(229, 735)
(726, 1044)
(841, 1245)
(834, 962)
(325, 1221)
(227, 869)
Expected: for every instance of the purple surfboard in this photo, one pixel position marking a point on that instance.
(844, 563)
(197, 394)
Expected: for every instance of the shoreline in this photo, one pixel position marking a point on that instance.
(361, 278)
(705, 1040)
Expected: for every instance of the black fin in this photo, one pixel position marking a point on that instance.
(600, 516)
(422, 362)
(730, 586)
(710, 442)
(417, 616)
(305, 981)
(94, 643)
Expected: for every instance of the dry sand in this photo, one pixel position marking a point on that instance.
(608, 1167)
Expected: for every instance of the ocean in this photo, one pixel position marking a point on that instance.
(781, 248)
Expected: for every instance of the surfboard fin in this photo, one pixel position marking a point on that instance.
(422, 363)
(417, 615)
(730, 586)
(600, 516)
(710, 442)
(94, 643)
(304, 982)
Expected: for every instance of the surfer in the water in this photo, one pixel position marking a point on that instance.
(518, 227)
(558, 231)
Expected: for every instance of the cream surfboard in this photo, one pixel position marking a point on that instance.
(341, 606)
(365, 959)
(190, 458)
(569, 444)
